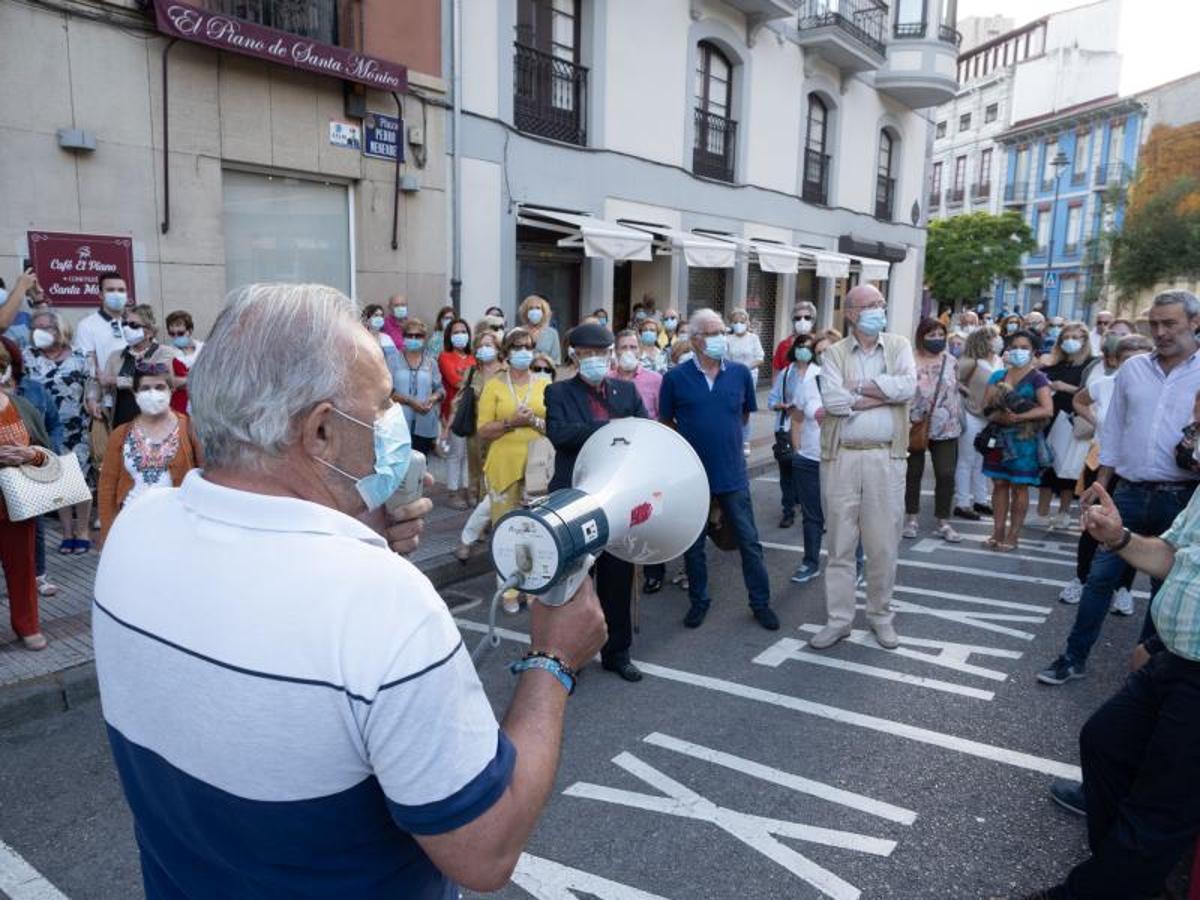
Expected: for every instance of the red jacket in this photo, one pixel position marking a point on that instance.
(780, 361)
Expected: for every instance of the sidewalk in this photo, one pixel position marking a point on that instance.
(62, 675)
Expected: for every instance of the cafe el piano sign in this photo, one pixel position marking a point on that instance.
(190, 23)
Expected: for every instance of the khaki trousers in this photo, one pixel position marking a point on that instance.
(863, 495)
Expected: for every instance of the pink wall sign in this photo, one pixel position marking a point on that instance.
(69, 266)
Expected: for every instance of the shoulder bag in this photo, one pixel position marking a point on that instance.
(918, 432)
(466, 408)
(783, 450)
(31, 491)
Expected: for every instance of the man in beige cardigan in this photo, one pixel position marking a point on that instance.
(867, 380)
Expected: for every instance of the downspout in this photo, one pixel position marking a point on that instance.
(165, 226)
(456, 159)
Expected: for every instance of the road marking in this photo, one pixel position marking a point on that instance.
(21, 881)
(951, 656)
(1056, 547)
(978, 601)
(785, 779)
(966, 746)
(790, 649)
(548, 880)
(983, 621)
(929, 545)
(759, 833)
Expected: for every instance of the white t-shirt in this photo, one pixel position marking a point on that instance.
(746, 349)
(100, 336)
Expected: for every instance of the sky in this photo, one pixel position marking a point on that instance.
(1157, 37)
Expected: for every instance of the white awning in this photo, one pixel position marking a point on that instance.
(782, 259)
(597, 237)
(831, 265)
(872, 269)
(699, 252)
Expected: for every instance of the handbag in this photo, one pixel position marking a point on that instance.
(30, 491)
(539, 467)
(918, 432)
(720, 528)
(783, 450)
(465, 409)
(987, 439)
(1068, 451)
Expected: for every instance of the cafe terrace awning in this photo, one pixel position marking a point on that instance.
(872, 269)
(699, 251)
(597, 237)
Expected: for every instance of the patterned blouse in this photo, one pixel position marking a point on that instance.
(65, 380)
(946, 423)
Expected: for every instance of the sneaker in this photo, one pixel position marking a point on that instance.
(885, 635)
(805, 573)
(910, 529)
(1122, 603)
(45, 587)
(1072, 593)
(828, 636)
(1061, 671)
(949, 535)
(961, 512)
(1035, 520)
(1069, 795)
(1062, 522)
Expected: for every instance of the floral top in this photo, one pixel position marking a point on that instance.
(65, 380)
(946, 422)
(147, 462)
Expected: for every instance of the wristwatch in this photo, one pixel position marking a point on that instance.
(1126, 537)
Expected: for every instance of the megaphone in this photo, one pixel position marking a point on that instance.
(639, 491)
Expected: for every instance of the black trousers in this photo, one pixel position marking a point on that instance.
(1141, 774)
(614, 587)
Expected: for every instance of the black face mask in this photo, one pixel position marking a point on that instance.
(935, 345)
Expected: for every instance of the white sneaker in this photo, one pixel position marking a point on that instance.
(1062, 523)
(1033, 520)
(910, 529)
(1122, 603)
(45, 587)
(1072, 593)
(949, 534)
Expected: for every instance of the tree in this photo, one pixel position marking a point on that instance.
(1159, 239)
(966, 254)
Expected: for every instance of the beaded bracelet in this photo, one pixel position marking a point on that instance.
(540, 659)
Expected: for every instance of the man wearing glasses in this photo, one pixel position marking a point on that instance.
(804, 320)
(867, 381)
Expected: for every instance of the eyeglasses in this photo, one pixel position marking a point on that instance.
(802, 318)
(415, 335)
(545, 370)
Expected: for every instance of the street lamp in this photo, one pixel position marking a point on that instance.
(1059, 163)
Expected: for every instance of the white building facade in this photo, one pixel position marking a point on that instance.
(709, 153)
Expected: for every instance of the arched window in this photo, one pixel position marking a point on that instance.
(885, 181)
(816, 160)
(713, 81)
(716, 132)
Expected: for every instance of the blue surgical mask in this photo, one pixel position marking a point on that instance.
(520, 359)
(1072, 346)
(376, 323)
(602, 321)
(593, 369)
(534, 316)
(804, 355)
(459, 341)
(872, 321)
(956, 350)
(412, 345)
(649, 337)
(739, 327)
(182, 341)
(400, 312)
(1010, 327)
(640, 316)
(715, 346)
(670, 323)
(114, 301)
(1019, 356)
(393, 449)
(486, 354)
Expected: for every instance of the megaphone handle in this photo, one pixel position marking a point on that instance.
(565, 589)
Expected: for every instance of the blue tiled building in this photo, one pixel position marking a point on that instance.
(1099, 143)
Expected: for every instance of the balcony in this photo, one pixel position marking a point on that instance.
(948, 35)
(935, 200)
(885, 196)
(1071, 250)
(981, 191)
(906, 30)
(1113, 173)
(1016, 193)
(848, 34)
(315, 19)
(1079, 178)
(549, 96)
(715, 148)
(954, 196)
(815, 187)
(922, 64)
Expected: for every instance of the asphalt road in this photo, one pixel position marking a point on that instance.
(741, 766)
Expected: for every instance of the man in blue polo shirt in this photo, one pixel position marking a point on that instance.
(708, 400)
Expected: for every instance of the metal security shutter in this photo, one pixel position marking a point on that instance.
(706, 288)
(761, 291)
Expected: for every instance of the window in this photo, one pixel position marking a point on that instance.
(549, 85)
(910, 18)
(991, 113)
(964, 122)
(1049, 152)
(885, 184)
(1074, 227)
(1022, 164)
(280, 228)
(960, 173)
(1116, 143)
(713, 81)
(1068, 295)
(941, 129)
(314, 19)
(1043, 230)
(816, 160)
(985, 166)
(713, 153)
(936, 184)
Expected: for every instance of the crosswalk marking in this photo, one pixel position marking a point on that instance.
(951, 656)
(21, 881)
(929, 546)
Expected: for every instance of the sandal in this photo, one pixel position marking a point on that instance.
(82, 546)
(1004, 547)
(991, 543)
(66, 547)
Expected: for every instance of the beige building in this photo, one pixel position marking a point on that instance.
(262, 180)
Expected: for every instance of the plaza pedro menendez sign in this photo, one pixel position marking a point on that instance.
(190, 23)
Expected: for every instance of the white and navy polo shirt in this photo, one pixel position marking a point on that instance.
(288, 701)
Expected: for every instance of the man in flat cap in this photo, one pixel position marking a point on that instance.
(575, 409)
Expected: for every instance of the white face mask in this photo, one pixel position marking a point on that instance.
(42, 339)
(627, 361)
(802, 326)
(153, 401)
(134, 336)
(997, 345)
(739, 327)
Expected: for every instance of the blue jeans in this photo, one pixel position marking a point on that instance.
(1145, 511)
(806, 485)
(736, 507)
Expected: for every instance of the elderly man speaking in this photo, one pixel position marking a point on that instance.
(297, 715)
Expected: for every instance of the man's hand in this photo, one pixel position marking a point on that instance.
(1100, 516)
(574, 632)
(404, 526)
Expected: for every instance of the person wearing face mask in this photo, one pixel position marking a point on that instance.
(680, 351)
(651, 355)
(955, 343)
(936, 417)
(534, 315)
(575, 410)
(981, 357)
(708, 400)
(454, 363)
(867, 382)
(1018, 402)
(804, 321)
(1010, 324)
(1104, 320)
(394, 318)
(152, 452)
(601, 317)
(1035, 322)
(488, 364)
(180, 328)
(292, 614)
(141, 348)
(1051, 334)
(437, 339)
(99, 334)
(670, 324)
(419, 390)
(627, 365)
(745, 348)
(14, 320)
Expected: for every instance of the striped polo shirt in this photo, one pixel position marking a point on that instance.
(1176, 608)
(288, 701)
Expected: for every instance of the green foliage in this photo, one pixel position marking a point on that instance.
(1159, 240)
(966, 254)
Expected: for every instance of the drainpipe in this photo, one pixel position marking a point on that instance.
(456, 160)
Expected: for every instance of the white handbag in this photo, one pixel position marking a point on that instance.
(31, 491)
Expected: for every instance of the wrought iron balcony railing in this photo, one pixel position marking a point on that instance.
(935, 199)
(1016, 192)
(864, 20)
(715, 149)
(1113, 173)
(549, 96)
(948, 35)
(954, 197)
(815, 186)
(982, 190)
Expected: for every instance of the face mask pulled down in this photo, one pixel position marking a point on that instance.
(393, 450)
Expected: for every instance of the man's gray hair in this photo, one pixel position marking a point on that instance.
(697, 319)
(275, 351)
(1191, 305)
(805, 306)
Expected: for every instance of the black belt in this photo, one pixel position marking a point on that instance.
(1161, 485)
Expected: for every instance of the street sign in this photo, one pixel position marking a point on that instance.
(1051, 282)
(383, 136)
(69, 266)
